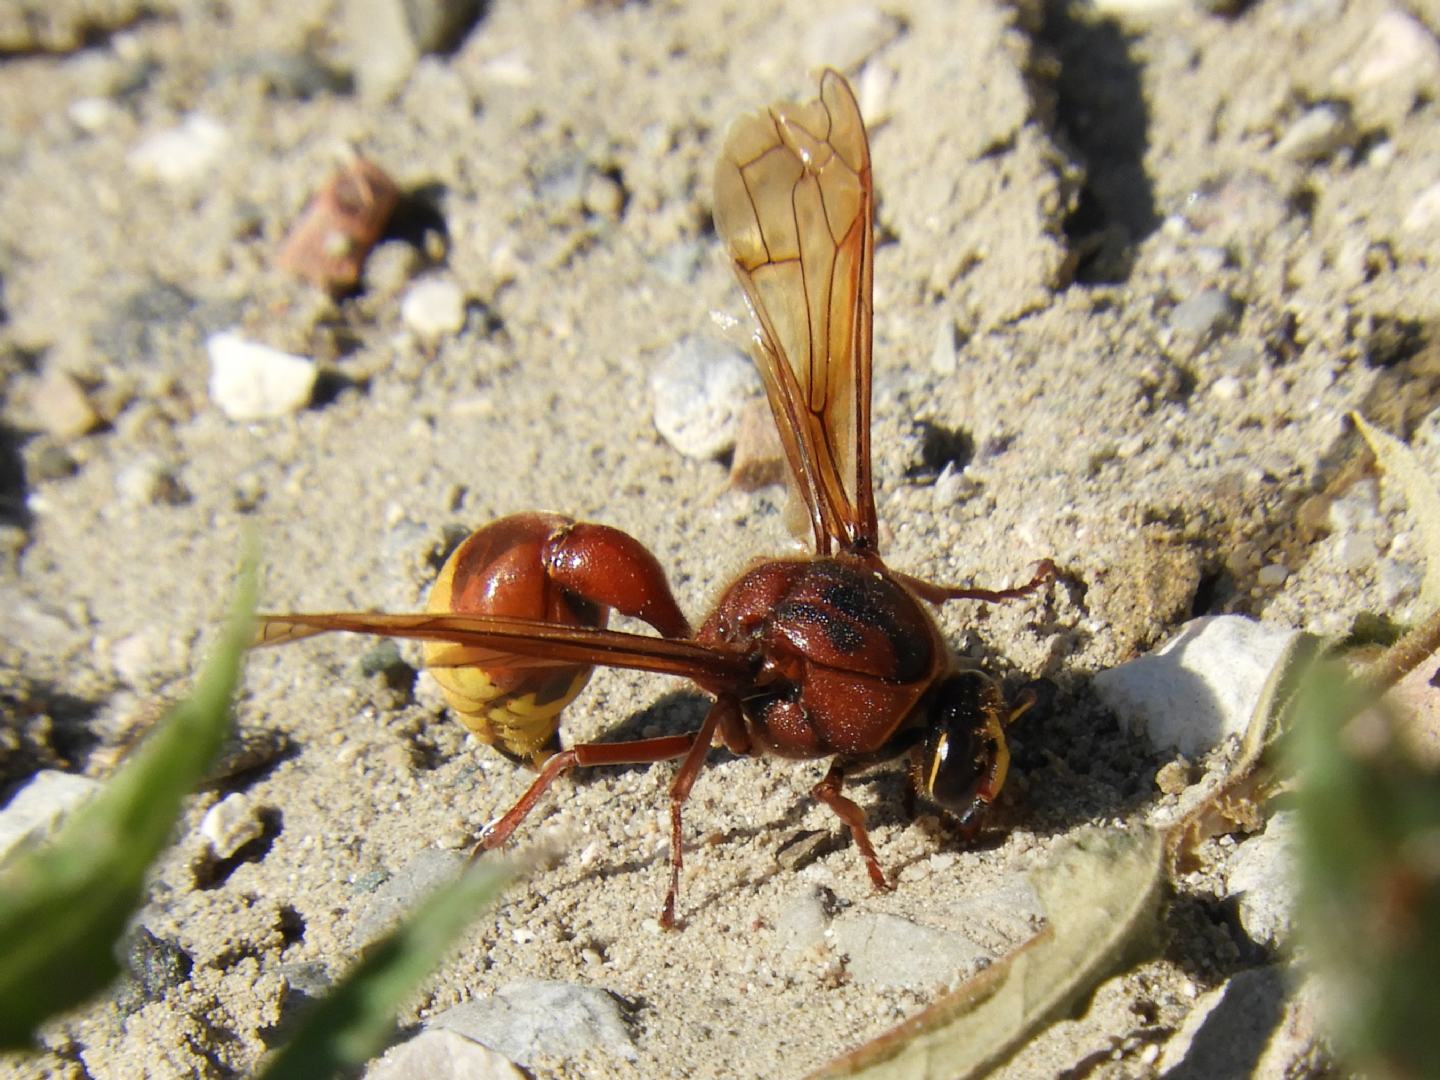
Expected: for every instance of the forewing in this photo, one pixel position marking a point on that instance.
(518, 643)
(794, 205)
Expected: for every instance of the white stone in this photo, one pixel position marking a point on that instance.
(1200, 687)
(182, 153)
(699, 390)
(1261, 875)
(433, 308)
(1272, 576)
(250, 381)
(93, 115)
(231, 824)
(38, 808)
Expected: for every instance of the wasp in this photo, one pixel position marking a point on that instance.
(831, 655)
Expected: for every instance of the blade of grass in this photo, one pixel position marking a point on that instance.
(353, 1022)
(64, 905)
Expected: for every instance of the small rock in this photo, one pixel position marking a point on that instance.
(181, 153)
(604, 196)
(388, 37)
(699, 390)
(61, 406)
(846, 37)
(41, 805)
(1356, 551)
(1174, 776)
(1272, 576)
(155, 965)
(800, 926)
(1358, 510)
(230, 824)
(1316, 135)
(346, 218)
(1261, 873)
(1423, 214)
(53, 463)
(147, 481)
(944, 356)
(1398, 46)
(136, 657)
(1229, 1028)
(886, 950)
(433, 308)
(1398, 580)
(759, 456)
(249, 381)
(1227, 388)
(1200, 687)
(442, 1055)
(1206, 314)
(93, 115)
(425, 872)
(536, 1018)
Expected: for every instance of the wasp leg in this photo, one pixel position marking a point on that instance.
(828, 792)
(724, 714)
(937, 594)
(637, 752)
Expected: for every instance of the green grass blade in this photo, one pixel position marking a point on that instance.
(64, 906)
(352, 1023)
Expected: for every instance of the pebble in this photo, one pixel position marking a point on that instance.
(759, 455)
(848, 36)
(230, 824)
(1272, 576)
(181, 153)
(1200, 687)
(1398, 45)
(801, 925)
(1228, 1030)
(61, 406)
(93, 115)
(1423, 214)
(388, 37)
(1398, 580)
(1317, 134)
(886, 950)
(39, 807)
(433, 308)
(428, 869)
(442, 1055)
(1260, 874)
(148, 481)
(250, 381)
(1206, 314)
(944, 356)
(698, 391)
(537, 1018)
(1356, 551)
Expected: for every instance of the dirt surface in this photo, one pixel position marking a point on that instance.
(1062, 197)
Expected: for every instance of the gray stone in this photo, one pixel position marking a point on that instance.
(41, 805)
(1260, 873)
(538, 1018)
(1226, 1034)
(886, 950)
(425, 872)
(699, 390)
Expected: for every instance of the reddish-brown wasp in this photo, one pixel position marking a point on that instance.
(830, 655)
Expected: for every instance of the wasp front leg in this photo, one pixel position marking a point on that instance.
(548, 567)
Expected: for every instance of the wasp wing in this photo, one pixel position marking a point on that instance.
(794, 205)
(518, 643)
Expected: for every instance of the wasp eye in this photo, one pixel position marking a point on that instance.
(965, 757)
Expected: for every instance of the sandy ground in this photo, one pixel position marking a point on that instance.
(1052, 189)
